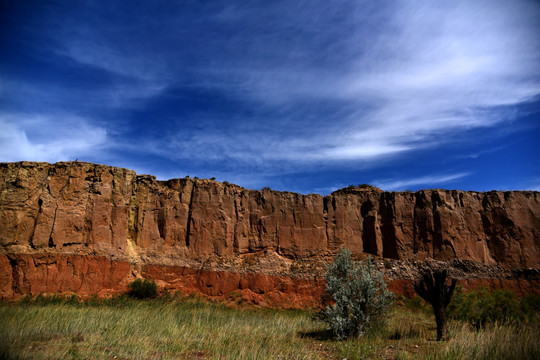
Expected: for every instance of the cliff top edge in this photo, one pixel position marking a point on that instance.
(351, 189)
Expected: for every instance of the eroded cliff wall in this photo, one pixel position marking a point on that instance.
(78, 209)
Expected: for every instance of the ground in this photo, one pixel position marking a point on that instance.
(189, 328)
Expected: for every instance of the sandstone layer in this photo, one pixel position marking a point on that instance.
(87, 228)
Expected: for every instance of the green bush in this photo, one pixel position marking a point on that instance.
(356, 299)
(489, 306)
(143, 289)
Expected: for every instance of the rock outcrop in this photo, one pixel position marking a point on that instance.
(106, 225)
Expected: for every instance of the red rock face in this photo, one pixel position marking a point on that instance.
(50, 211)
(58, 273)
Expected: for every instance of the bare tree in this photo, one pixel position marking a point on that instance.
(433, 288)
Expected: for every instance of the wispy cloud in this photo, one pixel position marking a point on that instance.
(477, 154)
(41, 138)
(101, 55)
(428, 74)
(256, 91)
(424, 181)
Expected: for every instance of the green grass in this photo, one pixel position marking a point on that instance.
(124, 328)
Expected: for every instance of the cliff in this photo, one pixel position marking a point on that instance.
(55, 216)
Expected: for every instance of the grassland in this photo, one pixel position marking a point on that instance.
(123, 328)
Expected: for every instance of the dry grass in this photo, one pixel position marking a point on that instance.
(191, 329)
(493, 342)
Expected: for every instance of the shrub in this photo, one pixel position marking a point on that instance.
(143, 289)
(484, 306)
(356, 299)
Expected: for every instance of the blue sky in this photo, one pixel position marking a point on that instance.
(305, 96)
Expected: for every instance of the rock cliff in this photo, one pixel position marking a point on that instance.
(94, 228)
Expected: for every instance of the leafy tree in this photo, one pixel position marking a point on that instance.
(432, 287)
(356, 298)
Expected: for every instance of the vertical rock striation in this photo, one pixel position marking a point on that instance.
(83, 209)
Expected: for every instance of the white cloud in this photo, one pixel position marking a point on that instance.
(408, 75)
(431, 72)
(364, 151)
(426, 181)
(48, 138)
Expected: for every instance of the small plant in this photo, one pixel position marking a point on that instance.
(432, 288)
(356, 298)
(266, 188)
(143, 289)
(213, 178)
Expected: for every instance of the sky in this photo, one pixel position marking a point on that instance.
(303, 96)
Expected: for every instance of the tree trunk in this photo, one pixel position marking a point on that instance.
(432, 288)
(440, 319)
